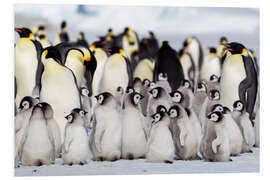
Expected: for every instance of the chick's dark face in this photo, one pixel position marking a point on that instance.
(235, 48)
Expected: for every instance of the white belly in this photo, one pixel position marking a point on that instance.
(144, 70)
(210, 66)
(186, 64)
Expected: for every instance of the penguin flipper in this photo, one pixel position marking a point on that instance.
(129, 72)
(68, 139)
(183, 134)
(99, 132)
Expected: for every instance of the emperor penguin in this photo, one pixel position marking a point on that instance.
(187, 91)
(167, 62)
(211, 65)
(105, 141)
(193, 46)
(130, 42)
(117, 72)
(134, 132)
(37, 144)
(81, 40)
(234, 133)
(213, 98)
(221, 48)
(186, 135)
(22, 120)
(101, 58)
(152, 43)
(215, 144)
(42, 37)
(200, 98)
(62, 36)
(188, 65)
(76, 144)
(59, 87)
(213, 82)
(53, 127)
(160, 146)
(158, 96)
(241, 117)
(86, 105)
(239, 78)
(145, 69)
(163, 82)
(145, 93)
(28, 66)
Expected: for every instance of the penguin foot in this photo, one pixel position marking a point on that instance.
(100, 159)
(70, 164)
(250, 151)
(81, 163)
(130, 157)
(115, 158)
(168, 162)
(230, 160)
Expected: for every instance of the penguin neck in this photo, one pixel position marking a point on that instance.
(76, 65)
(24, 43)
(53, 66)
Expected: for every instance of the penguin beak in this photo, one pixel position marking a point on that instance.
(18, 30)
(228, 47)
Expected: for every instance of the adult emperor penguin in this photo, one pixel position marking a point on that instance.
(101, 58)
(81, 40)
(160, 143)
(241, 117)
(188, 65)
(221, 48)
(117, 72)
(239, 78)
(62, 36)
(167, 62)
(215, 143)
(53, 127)
(59, 87)
(22, 119)
(145, 69)
(37, 144)
(134, 132)
(76, 144)
(186, 135)
(193, 46)
(130, 42)
(28, 66)
(211, 65)
(105, 141)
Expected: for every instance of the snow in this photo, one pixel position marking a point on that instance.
(248, 162)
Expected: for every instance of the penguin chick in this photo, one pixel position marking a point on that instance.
(75, 147)
(186, 133)
(160, 143)
(213, 82)
(134, 133)
(187, 93)
(22, 119)
(86, 105)
(241, 117)
(200, 98)
(105, 138)
(38, 143)
(215, 144)
(163, 82)
(53, 127)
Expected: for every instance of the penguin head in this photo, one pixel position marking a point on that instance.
(165, 44)
(63, 26)
(201, 87)
(137, 81)
(214, 78)
(214, 94)
(187, 42)
(136, 98)
(162, 76)
(146, 83)
(236, 48)
(38, 112)
(161, 108)
(115, 50)
(186, 84)
(47, 110)
(217, 108)
(177, 96)
(174, 111)
(76, 114)
(120, 90)
(103, 98)
(238, 106)
(151, 34)
(51, 52)
(212, 50)
(25, 33)
(158, 116)
(215, 116)
(156, 92)
(84, 91)
(42, 36)
(129, 90)
(41, 28)
(26, 103)
(223, 40)
(80, 36)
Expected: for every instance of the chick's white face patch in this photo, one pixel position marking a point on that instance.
(100, 99)
(136, 98)
(25, 105)
(173, 113)
(176, 97)
(85, 92)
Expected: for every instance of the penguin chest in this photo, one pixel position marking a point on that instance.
(233, 73)
(144, 70)
(210, 66)
(193, 49)
(186, 64)
(77, 68)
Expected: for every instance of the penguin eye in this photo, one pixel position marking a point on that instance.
(173, 113)
(157, 116)
(69, 118)
(25, 104)
(82, 113)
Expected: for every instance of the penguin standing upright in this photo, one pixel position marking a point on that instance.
(59, 87)
(42, 37)
(28, 66)
(130, 42)
(221, 48)
(211, 65)
(81, 40)
(188, 65)
(117, 72)
(239, 78)
(62, 36)
(152, 44)
(167, 62)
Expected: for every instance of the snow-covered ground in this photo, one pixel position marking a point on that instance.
(248, 162)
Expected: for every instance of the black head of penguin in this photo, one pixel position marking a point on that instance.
(115, 50)
(63, 24)
(126, 30)
(174, 111)
(146, 83)
(151, 35)
(104, 98)
(158, 116)
(223, 40)
(161, 108)
(157, 92)
(91, 63)
(24, 32)
(135, 98)
(238, 106)
(215, 116)
(47, 110)
(137, 81)
(217, 107)
(186, 83)
(214, 78)
(181, 52)
(177, 96)
(214, 94)
(26, 103)
(130, 89)
(53, 52)
(235, 48)
(212, 50)
(42, 36)
(41, 28)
